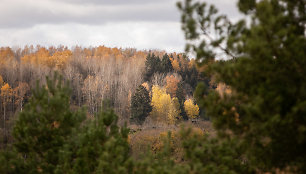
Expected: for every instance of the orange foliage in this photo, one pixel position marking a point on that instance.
(42, 57)
(6, 54)
(60, 59)
(6, 93)
(1, 81)
(176, 65)
(39, 58)
(171, 86)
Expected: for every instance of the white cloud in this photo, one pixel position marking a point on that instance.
(141, 35)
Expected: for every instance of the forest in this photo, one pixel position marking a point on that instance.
(119, 76)
(238, 107)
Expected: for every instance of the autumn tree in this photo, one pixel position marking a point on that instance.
(93, 93)
(20, 93)
(171, 84)
(164, 107)
(175, 111)
(175, 65)
(6, 99)
(140, 105)
(191, 109)
(59, 59)
(6, 55)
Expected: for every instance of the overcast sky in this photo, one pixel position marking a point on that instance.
(141, 24)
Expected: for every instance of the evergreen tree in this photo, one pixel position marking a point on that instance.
(166, 65)
(152, 65)
(44, 126)
(191, 77)
(140, 105)
(100, 146)
(180, 94)
(265, 111)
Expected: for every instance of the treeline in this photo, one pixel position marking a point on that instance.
(95, 74)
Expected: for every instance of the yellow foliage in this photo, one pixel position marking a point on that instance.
(6, 93)
(6, 88)
(191, 109)
(174, 111)
(164, 108)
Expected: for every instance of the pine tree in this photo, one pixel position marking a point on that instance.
(166, 65)
(100, 146)
(265, 112)
(180, 94)
(140, 105)
(152, 66)
(44, 125)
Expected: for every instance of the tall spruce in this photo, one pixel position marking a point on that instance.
(152, 66)
(44, 126)
(180, 94)
(165, 64)
(140, 105)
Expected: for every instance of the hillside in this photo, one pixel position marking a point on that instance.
(102, 74)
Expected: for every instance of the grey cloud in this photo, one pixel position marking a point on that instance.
(27, 15)
(22, 14)
(127, 23)
(113, 2)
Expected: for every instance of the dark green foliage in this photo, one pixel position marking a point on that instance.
(265, 113)
(214, 156)
(166, 65)
(180, 94)
(44, 125)
(191, 77)
(155, 65)
(140, 105)
(152, 66)
(100, 146)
